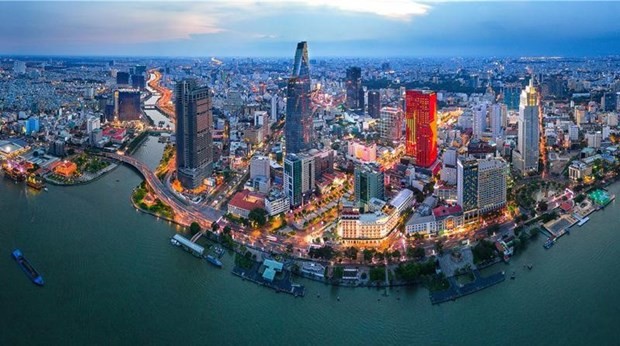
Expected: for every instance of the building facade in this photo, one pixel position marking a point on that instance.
(194, 120)
(421, 126)
(298, 129)
(390, 125)
(525, 156)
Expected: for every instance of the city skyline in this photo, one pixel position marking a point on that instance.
(399, 28)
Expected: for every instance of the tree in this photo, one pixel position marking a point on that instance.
(194, 228)
(415, 252)
(351, 252)
(543, 206)
(258, 216)
(227, 229)
(215, 227)
(368, 254)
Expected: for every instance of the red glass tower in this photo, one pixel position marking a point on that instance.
(421, 126)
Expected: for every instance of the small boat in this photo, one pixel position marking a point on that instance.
(216, 262)
(32, 273)
(529, 266)
(549, 243)
(174, 242)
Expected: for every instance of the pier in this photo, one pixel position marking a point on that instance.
(457, 290)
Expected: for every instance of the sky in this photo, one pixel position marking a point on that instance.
(271, 28)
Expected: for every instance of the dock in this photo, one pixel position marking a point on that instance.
(281, 283)
(457, 290)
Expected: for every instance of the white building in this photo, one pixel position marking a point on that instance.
(573, 132)
(259, 166)
(492, 176)
(526, 155)
(277, 202)
(594, 139)
(92, 124)
(390, 125)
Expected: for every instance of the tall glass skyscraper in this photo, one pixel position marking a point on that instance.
(298, 126)
(355, 93)
(525, 156)
(194, 120)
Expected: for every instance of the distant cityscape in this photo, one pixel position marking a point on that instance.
(385, 164)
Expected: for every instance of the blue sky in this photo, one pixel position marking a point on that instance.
(382, 28)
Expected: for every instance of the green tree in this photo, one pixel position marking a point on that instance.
(258, 216)
(227, 229)
(351, 252)
(215, 227)
(194, 228)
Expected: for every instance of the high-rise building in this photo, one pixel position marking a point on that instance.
(122, 78)
(497, 115)
(298, 177)
(609, 102)
(138, 81)
(128, 105)
(374, 103)
(369, 183)
(480, 120)
(260, 166)
(467, 185)
(355, 93)
(492, 176)
(421, 126)
(194, 120)
(390, 125)
(92, 124)
(298, 127)
(594, 139)
(510, 95)
(525, 156)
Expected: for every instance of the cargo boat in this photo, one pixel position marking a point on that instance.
(216, 262)
(32, 273)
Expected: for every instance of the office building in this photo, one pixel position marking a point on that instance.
(299, 178)
(355, 93)
(193, 133)
(390, 125)
(421, 126)
(260, 166)
(128, 105)
(492, 177)
(298, 130)
(122, 78)
(369, 183)
(525, 156)
(92, 124)
(374, 103)
(467, 185)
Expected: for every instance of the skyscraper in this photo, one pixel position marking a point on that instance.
(390, 125)
(368, 184)
(298, 126)
(128, 105)
(374, 103)
(525, 156)
(467, 184)
(492, 176)
(355, 93)
(193, 129)
(298, 177)
(421, 126)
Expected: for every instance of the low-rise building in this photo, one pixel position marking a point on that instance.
(277, 202)
(244, 202)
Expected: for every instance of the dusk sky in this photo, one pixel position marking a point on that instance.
(332, 28)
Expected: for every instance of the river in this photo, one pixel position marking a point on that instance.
(155, 114)
(112, 277)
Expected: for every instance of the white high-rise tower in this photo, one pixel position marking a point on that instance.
(525, 157)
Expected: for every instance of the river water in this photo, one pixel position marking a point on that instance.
(155, 114)
(113, 278)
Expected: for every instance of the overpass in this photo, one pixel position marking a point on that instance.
(184, 213)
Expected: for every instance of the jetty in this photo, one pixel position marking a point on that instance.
(270, 274)
(457, 290)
